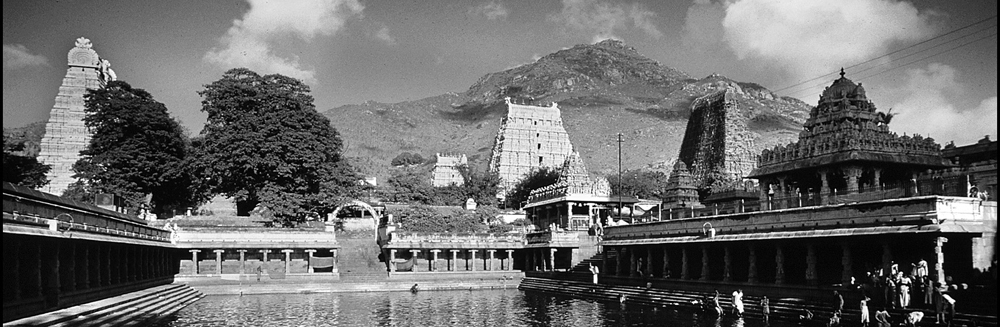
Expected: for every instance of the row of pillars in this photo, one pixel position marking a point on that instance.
(491, 263)
(852, 175)
(635, 270)
(196, 269)
(53, 268)
(540, 260)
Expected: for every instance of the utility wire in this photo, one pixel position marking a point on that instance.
(894, 52)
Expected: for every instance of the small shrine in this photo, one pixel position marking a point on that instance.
(845, 148)
(682, 192)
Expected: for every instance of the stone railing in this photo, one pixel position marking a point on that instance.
(397, 237)
(553, 238)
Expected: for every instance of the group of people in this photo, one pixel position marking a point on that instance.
(898, 289)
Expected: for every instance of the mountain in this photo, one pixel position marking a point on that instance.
(603, 89)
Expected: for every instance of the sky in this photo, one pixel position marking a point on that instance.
(932, 62)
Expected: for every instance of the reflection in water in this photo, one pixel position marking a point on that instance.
(439, 308)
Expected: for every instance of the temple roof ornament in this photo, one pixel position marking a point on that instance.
(846, 126)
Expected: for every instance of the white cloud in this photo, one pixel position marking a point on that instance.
(383, 34)
(926, 108)
(602, 18)
(811, 38)
(17, 56)
(492, 10)
(248, 43)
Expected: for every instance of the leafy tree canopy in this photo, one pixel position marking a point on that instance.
(536, 178)
(641, 183)
(22, 170)
(136, 150)
(407, 159)
(264, 143)
(427, 219)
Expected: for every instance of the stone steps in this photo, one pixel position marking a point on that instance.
(131, 309)
(787, 309)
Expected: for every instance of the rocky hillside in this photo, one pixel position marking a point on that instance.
(30, 134)
(603, 89)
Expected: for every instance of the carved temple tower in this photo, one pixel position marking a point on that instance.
(717, 149)
(65, 133)
(845, 148)
(529, 137)
(446, 169)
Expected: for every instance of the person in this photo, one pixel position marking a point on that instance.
(806, 315)
(904, 290)
(950, 304)
(865, 319)
(738, 303)
(914, 317)
(259, 272)
(838, 302)
(834, 319)
(594, 271)
(414, 289)
(938, 303)
(882, 317)
(765, 309)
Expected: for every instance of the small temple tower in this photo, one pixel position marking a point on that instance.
(845, 148)
(529, 137)
(446, 169)
(65, 133)
(681, 190)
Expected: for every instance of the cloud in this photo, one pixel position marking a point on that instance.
(17, 56)
(927, 108)
(383, 34)
(602, 19)
(811, 38)
(249, 42)
(492, 10)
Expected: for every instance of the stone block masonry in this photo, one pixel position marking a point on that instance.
(717, 146)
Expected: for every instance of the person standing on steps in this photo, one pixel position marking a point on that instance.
(765, 308)
(594, 271)
(259, 272)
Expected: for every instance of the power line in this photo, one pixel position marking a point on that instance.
(897, 51)
(939, 53)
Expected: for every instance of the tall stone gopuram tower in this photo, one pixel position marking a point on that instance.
(717, 148)
(529, 137)
(65, 133)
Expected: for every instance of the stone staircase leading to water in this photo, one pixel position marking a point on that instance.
(359, 260)
(140, 308)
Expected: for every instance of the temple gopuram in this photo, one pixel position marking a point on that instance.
(851, 207)
(530, 137)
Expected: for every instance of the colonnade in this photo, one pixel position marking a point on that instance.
(455, 259)
(307, 256)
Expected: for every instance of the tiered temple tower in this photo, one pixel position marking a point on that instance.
(65, 133)
(446, 169)
(717, 147)
(845, 147)
(529, 137)
(681, 190)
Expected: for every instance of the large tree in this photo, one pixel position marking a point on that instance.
(641, 183)
(21, 169)
(136, 150)
(536, 178)
(265, 144)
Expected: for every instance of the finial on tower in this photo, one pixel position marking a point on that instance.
(841, 72)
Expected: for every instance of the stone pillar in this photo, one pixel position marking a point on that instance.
(704, 263)
(69, 273)
(779, 265)
(685, 263)
(454, 260)
(243, 260)
(433, 266)
(218, 260)
(194, 261)
(633, 262)
(877, 178)
(510, 260)
(83, 271)
(649, 262)
(288, 260)
(727, 271)
(392, 260)
(853, 174)
(847, 271)
(552, 259)
(472, 255)
(124, 263)
(492, 253)
(939, 259)
(50, 273)
(618, 261)
(527, 260)
(264, 253)
(751, 264)
(414, 254)
(765, 187)
(781, 196)
(106, 264)
(824, 189)
(886, 259)
(336, 260)
(811, 278)
(569, 215)
(309, 265)
(666, 262)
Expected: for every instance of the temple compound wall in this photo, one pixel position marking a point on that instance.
(717, 147)
(446, 169)
(530, 137)
(65, 133)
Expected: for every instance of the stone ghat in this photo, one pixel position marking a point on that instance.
(401, 282)
(140, 308)
(578, 285)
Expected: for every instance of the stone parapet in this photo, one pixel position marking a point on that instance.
(405, 240)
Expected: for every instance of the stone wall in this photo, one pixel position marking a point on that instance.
(529, 137)
(717, 146)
